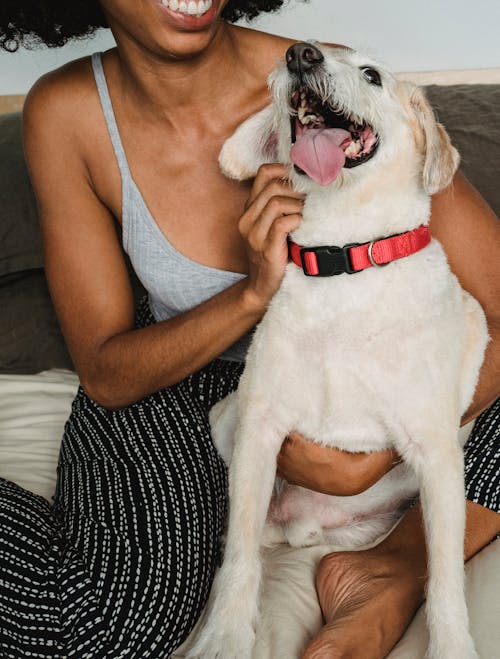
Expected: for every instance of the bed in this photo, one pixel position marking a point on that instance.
(37, 381)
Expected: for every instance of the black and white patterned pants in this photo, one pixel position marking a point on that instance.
(121, 565)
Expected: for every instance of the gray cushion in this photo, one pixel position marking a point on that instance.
(471, 114)
(30, 340)
(20, 243)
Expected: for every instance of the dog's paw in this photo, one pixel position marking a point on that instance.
(232, 642)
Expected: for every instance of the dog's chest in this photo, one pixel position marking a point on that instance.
(341, 351)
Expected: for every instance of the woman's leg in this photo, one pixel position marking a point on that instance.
(143, 495)
(29, 556)
(374, 594)
(122, 564)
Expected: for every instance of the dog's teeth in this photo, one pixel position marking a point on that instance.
(353, 149)
(301, 113)
(309, 119)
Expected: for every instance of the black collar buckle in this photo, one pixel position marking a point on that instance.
(331, 260)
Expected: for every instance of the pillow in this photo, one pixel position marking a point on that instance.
(20, 241)
(30, 338)
(471, 114)
(33, 411)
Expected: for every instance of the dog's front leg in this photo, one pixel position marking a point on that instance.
(438, 463)
(232, 614)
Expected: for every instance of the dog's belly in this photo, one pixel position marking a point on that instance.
(303, 517)
(333, 399)
(350, 421)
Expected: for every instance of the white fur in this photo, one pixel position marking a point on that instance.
(386, 357)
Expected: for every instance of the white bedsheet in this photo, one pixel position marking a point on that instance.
(33, 410)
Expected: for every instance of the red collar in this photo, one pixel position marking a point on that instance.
(326, 261)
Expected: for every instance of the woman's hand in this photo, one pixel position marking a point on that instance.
(273, 210)
(330, 470)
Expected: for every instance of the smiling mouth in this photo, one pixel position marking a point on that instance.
(325, 139)
(188, 7)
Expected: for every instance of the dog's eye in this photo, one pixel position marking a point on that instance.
(372, 76)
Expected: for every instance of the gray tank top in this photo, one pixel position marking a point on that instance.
(174, 282)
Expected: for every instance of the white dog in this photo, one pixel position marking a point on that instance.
(372, 358)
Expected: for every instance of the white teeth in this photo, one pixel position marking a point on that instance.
(309, 119)
(189, 7)
(353, 149)
(306, 119)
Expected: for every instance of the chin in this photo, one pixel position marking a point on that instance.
(165, 33)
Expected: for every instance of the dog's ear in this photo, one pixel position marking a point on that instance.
(441, 159)
(254, 143)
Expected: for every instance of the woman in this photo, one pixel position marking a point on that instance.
(124, 148)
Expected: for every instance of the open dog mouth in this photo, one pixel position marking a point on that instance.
(325, 139)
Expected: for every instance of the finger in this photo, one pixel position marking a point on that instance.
(278, 233)
(276, 208)
(275, 249)
(269, 186)
(274, 188)
(265, 175)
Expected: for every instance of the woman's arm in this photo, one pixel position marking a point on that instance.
(118, 364)
(470, 234)
(330, 470)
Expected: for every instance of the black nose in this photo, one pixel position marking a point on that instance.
(303, 57)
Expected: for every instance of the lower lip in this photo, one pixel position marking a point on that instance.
(190, 22)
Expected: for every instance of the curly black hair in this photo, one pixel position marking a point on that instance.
(54, 22)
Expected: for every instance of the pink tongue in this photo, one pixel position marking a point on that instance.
(317, 152)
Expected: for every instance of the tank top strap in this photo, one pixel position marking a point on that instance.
(109, 115)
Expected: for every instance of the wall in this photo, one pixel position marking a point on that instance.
(409, 35)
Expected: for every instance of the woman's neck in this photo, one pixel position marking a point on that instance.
(175, 88)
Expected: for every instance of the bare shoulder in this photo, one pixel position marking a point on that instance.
(265, 48)
(60, 101)
(65, 85)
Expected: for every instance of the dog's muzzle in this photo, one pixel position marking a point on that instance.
(324, 138)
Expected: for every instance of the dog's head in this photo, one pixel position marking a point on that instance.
(336, 116)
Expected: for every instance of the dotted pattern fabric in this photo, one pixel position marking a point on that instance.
(121, 564)
(482, 460)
